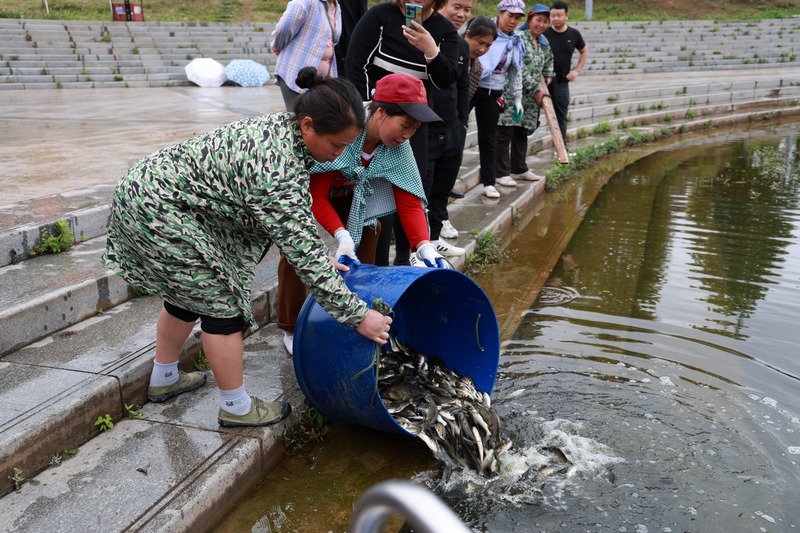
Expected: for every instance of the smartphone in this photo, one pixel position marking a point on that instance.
(413, 11)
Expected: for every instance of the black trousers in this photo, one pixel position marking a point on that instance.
(445, 151)
(559, 92)
(487, 111)
(515, 137)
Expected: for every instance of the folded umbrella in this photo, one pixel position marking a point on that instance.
(206, 72)
(247, 73)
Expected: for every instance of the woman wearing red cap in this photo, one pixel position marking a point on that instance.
(383, 44)
(375, 176)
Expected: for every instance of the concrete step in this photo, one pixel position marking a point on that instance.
(648, 47)
(50, 292)
(85, 211)
(47, 293)
(174, 458)
(102, 360)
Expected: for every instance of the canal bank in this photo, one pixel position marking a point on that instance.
(536, 395)
(175, 469)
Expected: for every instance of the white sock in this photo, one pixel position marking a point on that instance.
(164, 375)
(235, 402)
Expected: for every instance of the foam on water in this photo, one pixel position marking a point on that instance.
(533, 474)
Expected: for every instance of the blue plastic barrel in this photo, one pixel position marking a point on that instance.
(436, 312)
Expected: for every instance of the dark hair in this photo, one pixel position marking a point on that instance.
(392, 110)
(560, 5)
(437, 4)
(332, 103)
(480, 26)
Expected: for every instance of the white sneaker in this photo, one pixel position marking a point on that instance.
(490, 192)
(415, 261)
(447, 249)
(528, 175)
(288, 342)
(506, 181)
(448, 231)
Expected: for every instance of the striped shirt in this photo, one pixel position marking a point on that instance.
(302, 36)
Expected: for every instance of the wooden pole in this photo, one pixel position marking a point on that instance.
(552, 123)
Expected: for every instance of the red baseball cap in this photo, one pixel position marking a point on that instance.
(408, 93)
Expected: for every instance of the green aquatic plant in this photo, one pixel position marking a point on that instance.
(133, 411)
(201, 361)
(310, 427)
(488, 252)
(585, 155)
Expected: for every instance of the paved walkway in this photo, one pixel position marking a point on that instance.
(54, 141)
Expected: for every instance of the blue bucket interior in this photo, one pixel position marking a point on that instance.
(437, 312)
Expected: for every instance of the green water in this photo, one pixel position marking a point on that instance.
(651, 326)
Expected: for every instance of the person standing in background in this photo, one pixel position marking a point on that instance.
(305, 36)
(446, 138)
(563, 42)
(502, 62)
(352, 11)
(511, 134)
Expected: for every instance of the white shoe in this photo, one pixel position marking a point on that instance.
(490, 192)
(529, 176)
(415, 261)
(447, 249)
(506, 181)
(288, 342)
(448, 231)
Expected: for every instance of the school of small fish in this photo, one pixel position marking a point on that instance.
(442, 408)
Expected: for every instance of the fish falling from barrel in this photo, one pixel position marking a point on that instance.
(442, 408)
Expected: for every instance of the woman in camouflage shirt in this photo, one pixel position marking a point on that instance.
(191, 222)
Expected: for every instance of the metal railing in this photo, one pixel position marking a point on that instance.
(421, 508)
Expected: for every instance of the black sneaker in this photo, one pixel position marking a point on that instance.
(455, 194)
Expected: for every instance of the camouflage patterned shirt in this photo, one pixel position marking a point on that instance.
(191, 222)
(537, 62)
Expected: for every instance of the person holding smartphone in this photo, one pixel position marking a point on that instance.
(382, 43)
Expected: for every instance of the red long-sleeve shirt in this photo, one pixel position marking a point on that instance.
(331, 184)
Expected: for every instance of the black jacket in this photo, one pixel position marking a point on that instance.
(378, 48)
